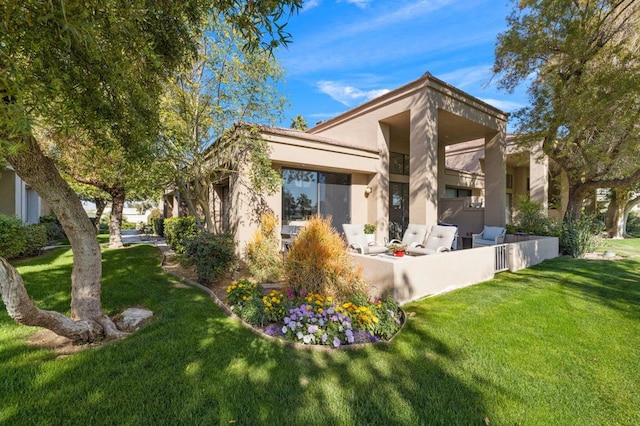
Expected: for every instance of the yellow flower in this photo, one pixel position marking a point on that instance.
(309, 307)
(329, 299)
(245, 298)
(320, 310)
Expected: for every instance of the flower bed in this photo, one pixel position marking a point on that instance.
(313, 319)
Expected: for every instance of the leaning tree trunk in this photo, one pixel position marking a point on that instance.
(615, 213)
(115, 219)
(101, 204)
(87, 320)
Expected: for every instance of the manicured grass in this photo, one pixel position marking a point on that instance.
(556, 344)
(625, 248)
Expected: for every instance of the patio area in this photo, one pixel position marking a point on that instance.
(412, 277)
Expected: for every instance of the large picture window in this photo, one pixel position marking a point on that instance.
(306, 193)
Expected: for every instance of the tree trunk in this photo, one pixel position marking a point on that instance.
(21, 308)
(188, 199)
(615, 213)
(115, 219)
(574, 204)
(87, 320)
(101, 204)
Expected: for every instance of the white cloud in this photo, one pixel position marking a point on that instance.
(471, 76)
(348, 95)
(360, 3)
(508, 106)
(310, 4)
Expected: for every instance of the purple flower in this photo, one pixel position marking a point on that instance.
(336, 342)
(349, 335)
(363, 336)
(299, 335)
(303, 292)
(312, 329)
(274, 330)
(324, 337)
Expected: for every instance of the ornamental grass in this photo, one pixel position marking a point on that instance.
(318, 263)
(263, 256)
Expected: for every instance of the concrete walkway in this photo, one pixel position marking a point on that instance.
(131, 236)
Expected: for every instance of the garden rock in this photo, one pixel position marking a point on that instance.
(132, 319)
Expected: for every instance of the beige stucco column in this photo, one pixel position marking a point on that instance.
(423, 164)
(495, 177)
(378, 200)
(539, 177)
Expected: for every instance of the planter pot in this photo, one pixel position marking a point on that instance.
(398, 253)
(370, 238)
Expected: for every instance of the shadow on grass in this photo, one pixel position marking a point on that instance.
(193, 365)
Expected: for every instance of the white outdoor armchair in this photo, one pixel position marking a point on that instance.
(414, 235)
(357, 241)
(440, 239)
(490, 236)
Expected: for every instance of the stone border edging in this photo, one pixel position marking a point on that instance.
(284, 342)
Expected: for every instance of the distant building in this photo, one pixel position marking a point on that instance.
(19, 199)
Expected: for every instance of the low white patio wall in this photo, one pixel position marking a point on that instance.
(412, 277)
(531, 252)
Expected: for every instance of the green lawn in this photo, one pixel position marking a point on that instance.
(555, 344)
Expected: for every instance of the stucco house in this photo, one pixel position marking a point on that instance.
(19, 199)
(423, 153)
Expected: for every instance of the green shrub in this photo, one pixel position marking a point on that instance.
(12, 237)
(530, 218)
(318, 262)
(264, 259)
(389, 317)
(213, 254)
(158, 226)
(177, 230)
(54, 229)
(578, 236)
(35, 239)
(126, 225)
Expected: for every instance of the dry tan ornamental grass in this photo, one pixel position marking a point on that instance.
(318, 262)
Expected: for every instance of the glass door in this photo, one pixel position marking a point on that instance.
(334, 193)
(398, 209)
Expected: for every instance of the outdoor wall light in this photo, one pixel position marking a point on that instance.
(368, 190)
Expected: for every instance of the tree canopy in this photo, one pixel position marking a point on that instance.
(581, 62)
(204, 112)
(99, 67)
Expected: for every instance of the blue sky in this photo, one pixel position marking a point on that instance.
(346, 52)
